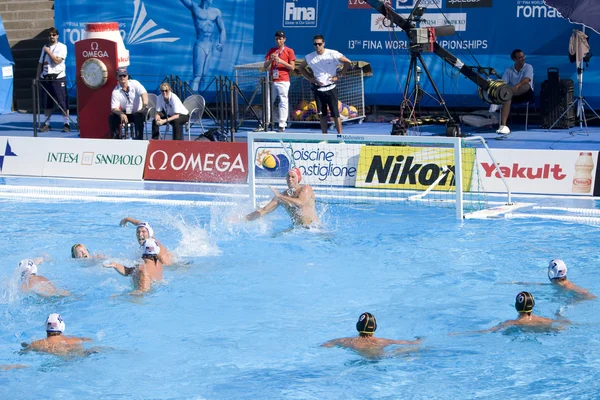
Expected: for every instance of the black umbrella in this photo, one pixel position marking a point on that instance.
(586, 12)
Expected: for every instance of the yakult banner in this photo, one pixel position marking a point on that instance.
(197, 161)
(177, 37)
(319, 163)
(567, 172)
(73, 158)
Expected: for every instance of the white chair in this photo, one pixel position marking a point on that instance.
(152, 99)
(195, 105)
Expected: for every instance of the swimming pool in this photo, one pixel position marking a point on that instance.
(242, 314)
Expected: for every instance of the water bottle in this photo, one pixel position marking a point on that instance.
(123, 131)
(582, 181)
(131, 130)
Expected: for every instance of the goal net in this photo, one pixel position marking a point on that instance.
(416, 170)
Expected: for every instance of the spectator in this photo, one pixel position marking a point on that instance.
(324, 77)
(520, 76)
(129, 102)
(280, 61)
(169, 109)
(51, 71)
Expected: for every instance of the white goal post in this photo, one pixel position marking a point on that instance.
(434, 171)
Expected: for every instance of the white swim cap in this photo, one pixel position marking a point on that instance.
(27, 267)
(148, 228)
(557, 269)
(55, 323)
(150, 247)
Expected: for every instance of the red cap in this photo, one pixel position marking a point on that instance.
(297, 172)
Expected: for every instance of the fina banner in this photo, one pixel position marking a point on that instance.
(180, 38)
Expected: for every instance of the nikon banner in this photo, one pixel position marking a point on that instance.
(414, 168)
(179, 38)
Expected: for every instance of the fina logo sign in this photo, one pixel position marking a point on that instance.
(300, 13)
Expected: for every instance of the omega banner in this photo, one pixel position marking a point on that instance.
(73, 158)
(196, 161)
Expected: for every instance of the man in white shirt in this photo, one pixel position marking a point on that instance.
(51, 72)
(129, 102)
(520, 76)
(323, 63)
(169, 110)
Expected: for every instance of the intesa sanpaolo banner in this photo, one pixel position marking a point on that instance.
(197, 161)
(73, 158)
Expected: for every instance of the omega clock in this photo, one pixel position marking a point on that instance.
(94, 73)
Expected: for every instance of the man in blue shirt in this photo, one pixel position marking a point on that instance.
(520, 76)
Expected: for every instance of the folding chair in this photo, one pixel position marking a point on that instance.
(195, 105)
(152, 99)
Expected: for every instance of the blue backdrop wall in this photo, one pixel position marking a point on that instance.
(160, 37)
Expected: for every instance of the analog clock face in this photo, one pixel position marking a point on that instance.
(94, 73)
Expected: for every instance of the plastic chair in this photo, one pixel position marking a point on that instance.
(151, 113)
(529, 101)
(195, 105)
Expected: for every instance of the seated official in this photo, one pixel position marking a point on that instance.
(169, 109)
(129, 102)
(520, 77)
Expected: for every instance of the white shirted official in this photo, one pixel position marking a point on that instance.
(171, 106)
(324, 67)
(128, 102)
(49, 67)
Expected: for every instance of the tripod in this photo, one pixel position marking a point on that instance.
(417, 93)
(580, 102)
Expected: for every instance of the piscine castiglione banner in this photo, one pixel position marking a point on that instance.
(169, 37)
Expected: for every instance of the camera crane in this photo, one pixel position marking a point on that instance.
(424, 40)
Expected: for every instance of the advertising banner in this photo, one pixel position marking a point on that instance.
(73, 158)
(415, 168)
(18, 156)
(181, 38)
(319, 163)
(196, 161)
(566, 172)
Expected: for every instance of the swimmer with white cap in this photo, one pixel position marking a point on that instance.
(297, 199)
(524, 303)
(149, 270)
(144, 231)
(32, 282)
(557, 273)
(55, 342)
(366, 343)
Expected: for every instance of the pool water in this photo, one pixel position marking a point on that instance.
(244, 310)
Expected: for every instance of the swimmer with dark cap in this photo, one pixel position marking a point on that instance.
(557, 273)
(297, 199)
(31, 282)
(146, 272)
(366, 344)
(144, 231)
(55, 342)
(524, 303)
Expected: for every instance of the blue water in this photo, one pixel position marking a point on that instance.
(243, 312)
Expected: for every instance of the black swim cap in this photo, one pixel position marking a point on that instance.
(366, 323)
(524, 302)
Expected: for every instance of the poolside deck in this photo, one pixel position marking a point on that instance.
(17, 124)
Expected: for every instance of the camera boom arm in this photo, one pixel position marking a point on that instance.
(494, 92)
